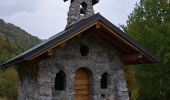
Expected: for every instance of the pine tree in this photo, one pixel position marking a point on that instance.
(149, 23)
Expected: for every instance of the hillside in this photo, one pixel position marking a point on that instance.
(14, 40)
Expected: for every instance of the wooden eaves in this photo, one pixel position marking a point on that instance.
(131, 51)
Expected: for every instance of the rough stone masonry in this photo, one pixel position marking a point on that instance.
(83, 62)
(39, 79)
(79, 9)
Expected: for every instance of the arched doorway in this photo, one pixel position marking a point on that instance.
(82, 84)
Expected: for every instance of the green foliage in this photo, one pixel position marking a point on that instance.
(9, 84)
(13, 41)
(150, 25)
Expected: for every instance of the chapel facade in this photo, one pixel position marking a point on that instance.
(83, 62)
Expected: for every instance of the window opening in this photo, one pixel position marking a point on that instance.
(83, 8)
(84, 50)
(104, 81)
(60, 81)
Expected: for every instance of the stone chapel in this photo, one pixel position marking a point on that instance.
(83, 62)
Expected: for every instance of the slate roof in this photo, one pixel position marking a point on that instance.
(68, 33)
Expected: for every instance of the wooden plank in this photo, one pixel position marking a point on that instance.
(131, 58)
(111, 41)
(126, 41)
(98, 25)
(60, 42)
(81, 86)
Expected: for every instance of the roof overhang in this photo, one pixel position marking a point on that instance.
(131, 51)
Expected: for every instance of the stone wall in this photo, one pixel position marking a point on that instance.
(74, 14)
(27, 85)
(67, 57)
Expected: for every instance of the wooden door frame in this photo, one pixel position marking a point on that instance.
(91, 81)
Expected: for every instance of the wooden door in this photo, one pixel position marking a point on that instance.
(82, 85)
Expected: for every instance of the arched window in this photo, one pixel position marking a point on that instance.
(60, 81)
(83, 8)
(104, 80)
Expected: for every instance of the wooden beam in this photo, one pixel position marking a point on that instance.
(131, 58)
(59, 42)
(111, 41)
(98, 25)
(127, 42)
(49, 53)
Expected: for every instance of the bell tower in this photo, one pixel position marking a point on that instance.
(80, 9)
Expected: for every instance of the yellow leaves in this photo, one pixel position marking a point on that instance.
(135, 92)
(129, 76)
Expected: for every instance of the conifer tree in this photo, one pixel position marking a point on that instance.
(149, 24)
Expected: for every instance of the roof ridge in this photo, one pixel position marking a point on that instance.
(74, 30)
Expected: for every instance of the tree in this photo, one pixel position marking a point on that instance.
(9, 84)
(13, 40)
(149, 24)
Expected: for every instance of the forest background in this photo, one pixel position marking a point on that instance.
(149, 24)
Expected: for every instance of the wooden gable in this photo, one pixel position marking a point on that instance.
(131, 52)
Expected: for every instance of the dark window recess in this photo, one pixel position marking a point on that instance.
(83, 8)
(60, 81)
(103, 95)
(104, 81)
(84, 50)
